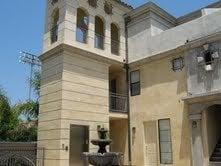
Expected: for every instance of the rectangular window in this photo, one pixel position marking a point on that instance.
(135, 83)
(165, 141)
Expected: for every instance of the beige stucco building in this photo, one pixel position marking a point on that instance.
(152, 79)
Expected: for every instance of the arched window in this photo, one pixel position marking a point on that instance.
(115, 39)
(99, 33)
(82, 26)
(54, 25)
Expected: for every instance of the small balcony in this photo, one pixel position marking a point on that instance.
(99, 41)
(118, 103)
(54, 34)
(115, 46)
(81, 34)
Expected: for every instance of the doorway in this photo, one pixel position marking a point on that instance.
(79, 143)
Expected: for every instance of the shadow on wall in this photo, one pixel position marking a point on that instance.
(185, 145)
(161, 72)
(213, 119)
(199, 79)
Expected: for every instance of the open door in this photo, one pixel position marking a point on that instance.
(150, 143)
(79, 143)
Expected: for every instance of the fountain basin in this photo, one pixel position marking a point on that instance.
(102, 143)
(106, 159)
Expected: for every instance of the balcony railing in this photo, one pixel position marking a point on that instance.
(54, 34)
(118, 103)
(81, 34)
(99, 41)
(115, 46)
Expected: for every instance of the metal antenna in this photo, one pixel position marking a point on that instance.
(32, 60)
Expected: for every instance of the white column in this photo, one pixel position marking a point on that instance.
(197, 141)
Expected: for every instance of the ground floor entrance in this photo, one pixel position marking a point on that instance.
(79, 143)
(205, 123)
(119, 137)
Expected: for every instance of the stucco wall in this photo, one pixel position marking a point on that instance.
(49, 124)
(75, 90)
(119, 136)
(175, 37)
(84, 96)
(161, 91)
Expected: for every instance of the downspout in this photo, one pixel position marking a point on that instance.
(126, 66)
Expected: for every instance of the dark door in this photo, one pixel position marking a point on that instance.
(79, 143)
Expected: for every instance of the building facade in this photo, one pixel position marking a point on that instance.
(152, 79)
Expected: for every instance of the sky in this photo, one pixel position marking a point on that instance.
(22, 26)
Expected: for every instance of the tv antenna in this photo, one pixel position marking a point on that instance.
(33, 61)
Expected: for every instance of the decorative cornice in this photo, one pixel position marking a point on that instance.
(152, 7)
(68, 48)
(196, 14)
(203, 97)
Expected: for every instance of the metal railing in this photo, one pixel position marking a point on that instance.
(81, 34)
(54, 34)
(118, 103)
(115, 47)
(21, 154)
(99, 41)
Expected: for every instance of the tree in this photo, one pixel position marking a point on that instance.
(13, 128)
(8, 117)
(30, 108)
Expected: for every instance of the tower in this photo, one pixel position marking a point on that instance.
(84, 46)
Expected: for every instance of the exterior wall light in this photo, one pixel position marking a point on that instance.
(177, 64)
(208, 58)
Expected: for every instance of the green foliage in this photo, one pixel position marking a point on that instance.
(36, 83)
(8, 119)
(24, 133)
(12, 128)
(29, 109)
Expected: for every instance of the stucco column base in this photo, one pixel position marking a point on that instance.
(197, 141)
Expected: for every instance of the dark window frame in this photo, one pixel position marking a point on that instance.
(180, 67)
(165, 141)
(135, 83)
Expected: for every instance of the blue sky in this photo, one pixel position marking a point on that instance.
(22, 25)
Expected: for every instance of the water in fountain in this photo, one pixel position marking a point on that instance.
(102, 157)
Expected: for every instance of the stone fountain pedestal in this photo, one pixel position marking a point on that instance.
(102, 157)
(106, 159)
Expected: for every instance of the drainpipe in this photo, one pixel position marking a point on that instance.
(126, 66)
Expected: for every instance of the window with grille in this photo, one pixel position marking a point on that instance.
(165, 141)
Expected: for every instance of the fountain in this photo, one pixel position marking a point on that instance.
(102, 157)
